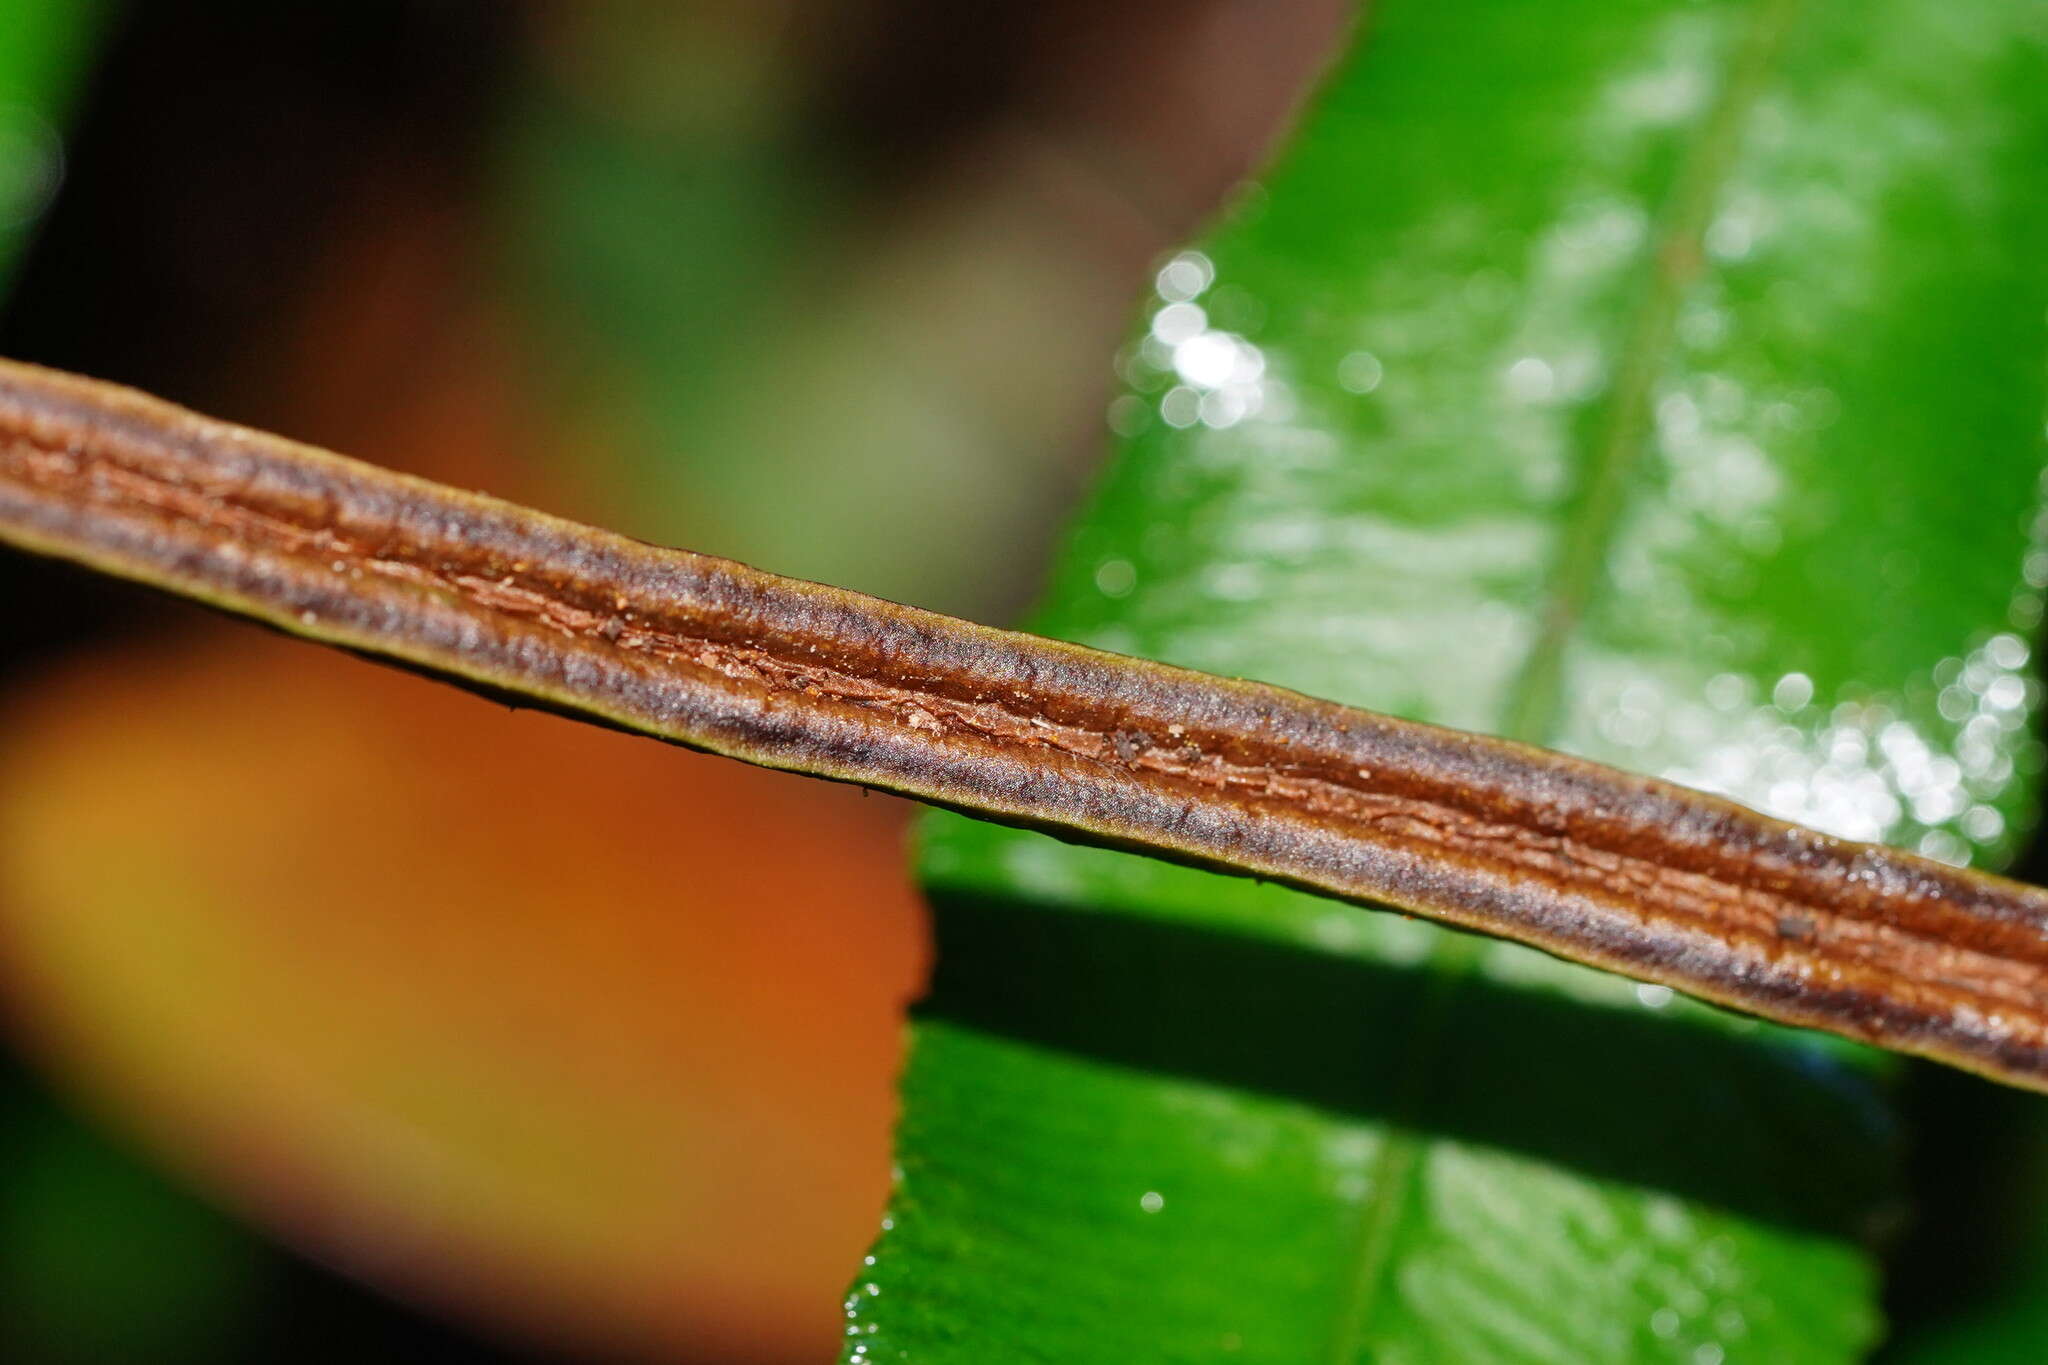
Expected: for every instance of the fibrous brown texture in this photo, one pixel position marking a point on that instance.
(1584, 861)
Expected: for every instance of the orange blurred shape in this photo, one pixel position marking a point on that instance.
(569, 1030)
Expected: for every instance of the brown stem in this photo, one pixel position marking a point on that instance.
(1583, 861)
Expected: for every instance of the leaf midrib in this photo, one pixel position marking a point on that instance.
(1531, 712)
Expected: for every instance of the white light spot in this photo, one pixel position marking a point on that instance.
(1944, 847)
(1185, 276)
(1223, 407)
(1726, 691)
(1531, 379)
(1678, 417)
(1207, 360)
(1792, 693)
(1181, 407)
(1177, 322)
(1360, 372)
(1983, 823)
(1116, 577)
(1731, 236)
(1151, 1201)
(1233, 582)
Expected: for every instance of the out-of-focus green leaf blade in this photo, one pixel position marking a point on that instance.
(1660, 381)
(42, 48)
(1974, 1276)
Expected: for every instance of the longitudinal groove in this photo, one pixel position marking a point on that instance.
(1640, 876)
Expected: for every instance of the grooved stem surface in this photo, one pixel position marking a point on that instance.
(1600, 866)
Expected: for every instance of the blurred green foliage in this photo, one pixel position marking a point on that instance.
(44, 49)
(102, 1259)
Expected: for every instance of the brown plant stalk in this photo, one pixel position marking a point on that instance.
(1592, 864)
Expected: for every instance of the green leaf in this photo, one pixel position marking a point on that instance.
(1975, 1272)
(42, 50)
(1658, 381)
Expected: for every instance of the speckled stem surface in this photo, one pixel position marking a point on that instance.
(1600, 866)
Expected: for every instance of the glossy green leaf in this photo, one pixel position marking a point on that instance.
(1659, 381)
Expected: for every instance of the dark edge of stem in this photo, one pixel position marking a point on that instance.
(1592, 864)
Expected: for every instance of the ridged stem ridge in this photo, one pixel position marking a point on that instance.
(1600, 866)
